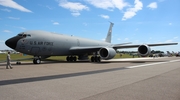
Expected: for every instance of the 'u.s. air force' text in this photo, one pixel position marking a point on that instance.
(41, 43)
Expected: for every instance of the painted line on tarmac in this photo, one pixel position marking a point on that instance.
(130, 67)
(132, 59)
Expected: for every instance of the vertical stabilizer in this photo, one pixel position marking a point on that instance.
(109, 34)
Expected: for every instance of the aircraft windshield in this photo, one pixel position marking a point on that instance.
(24, 35)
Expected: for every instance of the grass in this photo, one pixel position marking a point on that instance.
(62, 58)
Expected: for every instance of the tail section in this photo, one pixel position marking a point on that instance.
(109, 34)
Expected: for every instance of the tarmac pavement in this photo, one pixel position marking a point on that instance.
(124, 79)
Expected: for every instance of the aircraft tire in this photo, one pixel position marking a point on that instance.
(98, 59)
(18, 62)
(92, 59)
(36, 61)
(71, 59)
(74, 59)
(95, 59)
(67, 58)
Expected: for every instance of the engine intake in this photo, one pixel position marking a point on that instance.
(107, 53)
(144, 50)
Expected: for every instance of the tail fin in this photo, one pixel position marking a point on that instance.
(108, 37)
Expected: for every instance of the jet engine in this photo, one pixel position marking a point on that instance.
(107, 53)
(144, 50)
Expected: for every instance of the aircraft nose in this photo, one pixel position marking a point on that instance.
(12, 42)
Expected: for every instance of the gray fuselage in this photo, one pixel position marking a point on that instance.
(42, 43)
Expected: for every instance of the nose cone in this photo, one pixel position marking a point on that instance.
(12, 42)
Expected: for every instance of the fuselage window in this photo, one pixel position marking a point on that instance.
(28, 35)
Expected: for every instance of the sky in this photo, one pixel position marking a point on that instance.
(136, 21)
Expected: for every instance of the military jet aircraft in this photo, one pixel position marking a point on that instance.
(43, 44)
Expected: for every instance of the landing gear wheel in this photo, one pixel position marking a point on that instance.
(74, 59)
(92, 59)
(71, 58)
(36, 61)
(95, 59)
(98, 59)
(68, 58)
(18, 62)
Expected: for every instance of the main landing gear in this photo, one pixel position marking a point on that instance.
(71, 58)
(95, 59)
(37, 60)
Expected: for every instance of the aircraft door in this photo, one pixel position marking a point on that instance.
(78, 43)
(34, 50)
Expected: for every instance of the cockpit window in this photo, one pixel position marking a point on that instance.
(24, 35)
(20, 34)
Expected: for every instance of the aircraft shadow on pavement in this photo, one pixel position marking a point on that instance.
(43, 78)
(52, 77)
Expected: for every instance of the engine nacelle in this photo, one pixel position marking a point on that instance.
(107, 53)
(144, 50)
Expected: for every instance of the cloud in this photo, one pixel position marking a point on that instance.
(119, 4)
(46, 6)
(176, 37)
(103, 4)
(75, 14)
(108, 4)
(172, 40)
(126, 39)
(170, 24)
(132, 11)
(7, 10)
(85, 24)
(50, 8)
(161, 0)
(104, 16)
(12, 4)
(6, 31)
(168, 41)
(21, 28)
(152, 5)
(74, 7)
(14, 18)
(137, 29)
(55, 23)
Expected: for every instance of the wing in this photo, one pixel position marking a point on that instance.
(135, 46)
(93, 48)
(115, 46)
(85, 49)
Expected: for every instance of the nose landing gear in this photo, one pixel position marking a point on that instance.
(37, 60)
